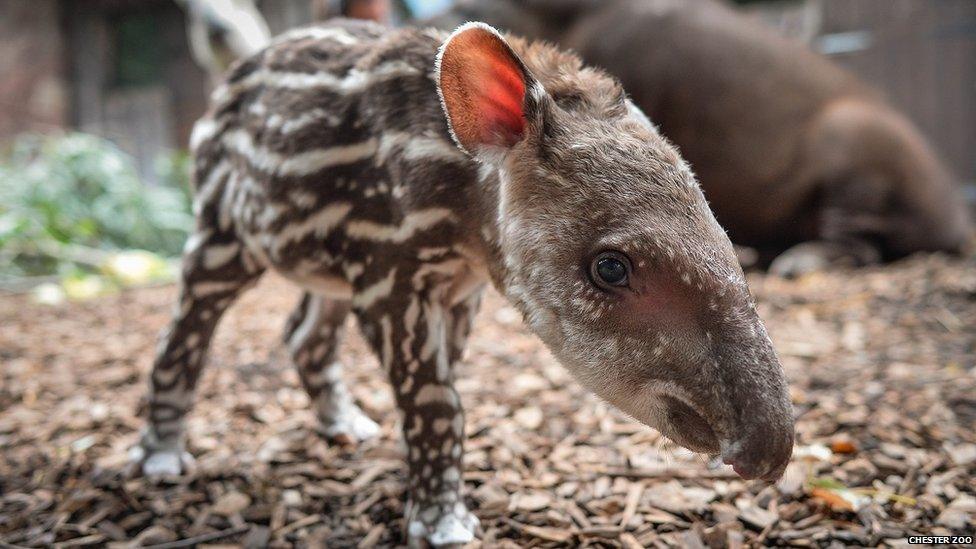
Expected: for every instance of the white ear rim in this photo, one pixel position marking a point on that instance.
(437, 73)
(636, 112)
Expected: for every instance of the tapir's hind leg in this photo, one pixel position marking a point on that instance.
(216, 268)
(312, 335)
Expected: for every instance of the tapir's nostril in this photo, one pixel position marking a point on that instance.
(688, 428)
(766, 464)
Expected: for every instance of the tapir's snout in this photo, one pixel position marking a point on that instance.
(759, 429)
(711, 380)
(758, 449)
(724, 392)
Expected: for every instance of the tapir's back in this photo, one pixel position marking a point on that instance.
(341, 119)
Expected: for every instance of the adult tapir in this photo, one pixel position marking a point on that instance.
(797, 157)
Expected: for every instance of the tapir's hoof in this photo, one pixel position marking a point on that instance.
(800, 260)
(436, 527)
(819, 255)
(157, 463)
(748, 257)
(350, 426)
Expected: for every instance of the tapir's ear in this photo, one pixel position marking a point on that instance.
(483, 85)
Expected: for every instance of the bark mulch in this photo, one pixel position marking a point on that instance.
(883, 369)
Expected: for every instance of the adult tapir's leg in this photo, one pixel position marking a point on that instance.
(848, 233)
(851, 219)
(215, 269)
(818, 255)
(418, 336)
(312, 334)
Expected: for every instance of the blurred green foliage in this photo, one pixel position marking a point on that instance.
(68, 202)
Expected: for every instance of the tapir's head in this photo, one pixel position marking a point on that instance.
(930, 212)
(611, 252)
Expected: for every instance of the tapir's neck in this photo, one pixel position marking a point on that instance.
(496, 243)
(484, 245)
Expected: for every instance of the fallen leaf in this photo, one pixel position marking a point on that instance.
(843, 445)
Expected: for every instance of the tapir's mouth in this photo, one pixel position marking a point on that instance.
(687, 427)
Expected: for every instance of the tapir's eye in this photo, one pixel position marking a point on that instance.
(610, 269)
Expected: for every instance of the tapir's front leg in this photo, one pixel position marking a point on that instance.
(418, 338)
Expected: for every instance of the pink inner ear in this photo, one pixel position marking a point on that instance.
(500, 100)
(483, 87)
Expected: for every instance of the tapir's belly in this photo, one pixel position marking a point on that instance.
(310, 247)
(341, 245)
(320, 272)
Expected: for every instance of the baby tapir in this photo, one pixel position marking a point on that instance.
(796, 156)
(393, 174)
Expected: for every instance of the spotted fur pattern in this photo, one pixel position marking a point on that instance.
(328, 159)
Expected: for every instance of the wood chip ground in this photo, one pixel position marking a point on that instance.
(883, 370)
